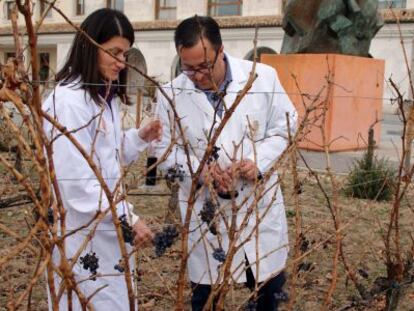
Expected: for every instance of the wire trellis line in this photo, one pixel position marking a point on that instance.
(311, 96)
(163, 178)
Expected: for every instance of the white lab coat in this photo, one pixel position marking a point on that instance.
(264, 108)
(81, 192)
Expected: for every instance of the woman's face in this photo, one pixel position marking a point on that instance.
(108, 66)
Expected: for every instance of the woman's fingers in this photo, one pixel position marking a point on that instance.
(151, 131)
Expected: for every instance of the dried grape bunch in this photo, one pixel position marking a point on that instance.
(304, 243)
(281, 296)
(120, 266)
(305, 266)
(207, 214)
(50, 217)
(214, 155)
(174, 173)
(219, 254)
(90, 262)
(164, 239)
(251, 306)
(127, 232)
(364, 273)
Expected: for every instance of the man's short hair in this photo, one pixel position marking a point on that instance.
(191, 30)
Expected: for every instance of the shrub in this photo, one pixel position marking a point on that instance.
(371, 178)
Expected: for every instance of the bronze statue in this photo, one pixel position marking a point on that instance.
(330, 26)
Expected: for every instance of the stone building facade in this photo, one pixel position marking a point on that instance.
(155, 20)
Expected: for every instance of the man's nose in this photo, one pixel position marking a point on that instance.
(198, 76)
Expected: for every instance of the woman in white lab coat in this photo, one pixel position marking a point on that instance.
(86, 102)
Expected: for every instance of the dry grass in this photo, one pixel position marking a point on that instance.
(363, 247)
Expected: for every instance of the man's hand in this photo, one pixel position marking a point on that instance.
(222, 178)
(151, 131)
(248, 170)
(143, 235)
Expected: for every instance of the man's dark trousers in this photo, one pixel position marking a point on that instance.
(266, 297)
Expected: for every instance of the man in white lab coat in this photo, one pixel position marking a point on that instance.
(208, 85)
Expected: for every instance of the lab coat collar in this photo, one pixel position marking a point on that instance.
(200, 99)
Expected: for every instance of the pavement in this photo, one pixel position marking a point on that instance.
(389, 148)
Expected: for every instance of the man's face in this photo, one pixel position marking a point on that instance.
(202, 64)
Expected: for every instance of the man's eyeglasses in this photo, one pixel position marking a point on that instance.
(203, 69)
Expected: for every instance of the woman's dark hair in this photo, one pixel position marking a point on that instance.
(191, 30)
(82, 62)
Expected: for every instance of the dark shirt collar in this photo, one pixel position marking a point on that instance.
(216, 98)
(228, 78)
(108, 95)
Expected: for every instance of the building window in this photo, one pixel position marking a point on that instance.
(8, 9)
(43, 7)
(384, 4)
(80, 7)
(166, 9)
(225, 7)
(9, 55)
(115, 4)
(259, 51)
(44, 67)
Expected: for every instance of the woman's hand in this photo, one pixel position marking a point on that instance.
(151, 131)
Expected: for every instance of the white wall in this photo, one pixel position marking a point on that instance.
(67, 6)
(62, 51)
(142, 10)
(186, 8)
(159, 51)
(410, 4)
(239, 42)
(262, 7)
(386, 45)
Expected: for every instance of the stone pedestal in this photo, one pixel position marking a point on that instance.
(354, 100)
